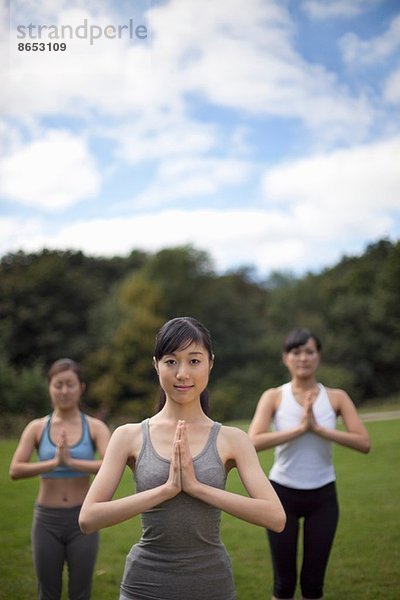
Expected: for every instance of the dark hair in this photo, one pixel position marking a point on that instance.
(178, 334)
(65, 364)
(299, 337)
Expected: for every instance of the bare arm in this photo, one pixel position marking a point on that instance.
(261, 507)
(259, 429)
(99, 509)
(355, 435)
(21, 465)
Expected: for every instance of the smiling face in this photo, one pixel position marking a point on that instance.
(183, 374)
(302, 361)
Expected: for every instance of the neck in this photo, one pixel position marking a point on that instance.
(190, 414)
(68, 414)
(303, 385)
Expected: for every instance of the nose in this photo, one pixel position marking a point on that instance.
(181, 372)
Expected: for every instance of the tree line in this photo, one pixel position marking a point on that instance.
(105, 312)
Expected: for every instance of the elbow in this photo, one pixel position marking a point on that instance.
(366, 447)
(254, 441)
(280, 522)
(13, 473)
(85, 525)
(85, 529)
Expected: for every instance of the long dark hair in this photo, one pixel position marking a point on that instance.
(178, 334)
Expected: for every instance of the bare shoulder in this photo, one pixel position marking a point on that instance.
(96, 425)
(36, 426)
(234, 436)
(270, 399)
(127, 431)
(129, 436)
(339, 398)
(33, 430)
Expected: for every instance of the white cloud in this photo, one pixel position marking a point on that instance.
(111, 75)
(187, 112)
(347, 192)
(392, 88)
(17, 234)
(360, 52)
(160, 136)
(227, 55)
(50, 173)
(333, 9)
(261, 238)
(266, 239)
(192, 178)
(246, 60)
(368, 174)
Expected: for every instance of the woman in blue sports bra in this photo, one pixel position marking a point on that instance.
(66, 442)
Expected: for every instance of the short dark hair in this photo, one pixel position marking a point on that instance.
(178, 334)
(299, 337)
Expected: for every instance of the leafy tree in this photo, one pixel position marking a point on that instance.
(46, 300)
(122, 370)
(182, 273)
(105, 313)
(23, 390)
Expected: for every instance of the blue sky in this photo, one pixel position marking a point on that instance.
(264, 132)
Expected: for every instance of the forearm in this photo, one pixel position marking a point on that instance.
(21, 470)
(267, 513)
(85, 466)
(355, 441)
(270, 439)
(96, 515)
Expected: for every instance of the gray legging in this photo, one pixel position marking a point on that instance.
(57, 539)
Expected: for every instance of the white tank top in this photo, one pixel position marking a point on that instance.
(306, 462)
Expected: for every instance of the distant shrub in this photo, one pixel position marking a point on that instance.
(23, 391)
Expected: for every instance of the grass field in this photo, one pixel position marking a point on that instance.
(365, 561)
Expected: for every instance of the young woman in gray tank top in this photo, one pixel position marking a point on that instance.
(180, 459)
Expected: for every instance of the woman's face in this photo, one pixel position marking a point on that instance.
(184, 373)
(65, 389)
(302, 362)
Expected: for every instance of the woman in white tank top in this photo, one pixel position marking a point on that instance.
(303, 416)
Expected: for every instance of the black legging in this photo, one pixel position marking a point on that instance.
(57, 539)
(319, 508)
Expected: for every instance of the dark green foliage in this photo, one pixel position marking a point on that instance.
(46, 301)
(22, 391)
(105, 313)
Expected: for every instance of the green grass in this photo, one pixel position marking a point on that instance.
(365, 558)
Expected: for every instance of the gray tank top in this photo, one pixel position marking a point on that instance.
(180, 554)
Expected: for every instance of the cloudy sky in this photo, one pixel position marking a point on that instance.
(266, 132)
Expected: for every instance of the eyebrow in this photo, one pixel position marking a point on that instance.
(190, 353)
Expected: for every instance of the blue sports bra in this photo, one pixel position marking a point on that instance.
(84, 449)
